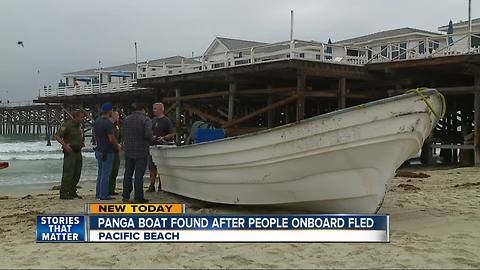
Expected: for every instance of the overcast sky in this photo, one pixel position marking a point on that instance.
(66, 35)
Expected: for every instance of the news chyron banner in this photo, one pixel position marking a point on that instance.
(169, 223)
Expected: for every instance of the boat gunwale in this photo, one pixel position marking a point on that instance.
(428, 92)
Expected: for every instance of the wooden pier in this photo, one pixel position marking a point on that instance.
(249, 98)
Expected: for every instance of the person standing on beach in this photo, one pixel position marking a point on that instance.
(163, 132)
(137, 137)
(117, 132)
(71, 137)
(104, 151)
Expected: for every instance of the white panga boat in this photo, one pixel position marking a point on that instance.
(339, 162)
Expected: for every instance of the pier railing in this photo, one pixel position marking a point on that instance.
(25, 103)
(421, 48)
(434, 46)
(88, 89)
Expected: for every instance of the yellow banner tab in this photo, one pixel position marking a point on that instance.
(150, 208)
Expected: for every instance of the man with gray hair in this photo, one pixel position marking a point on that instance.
(163, 132)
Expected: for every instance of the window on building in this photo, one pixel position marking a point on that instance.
(433, 45)
(403, 50)
(242, 62)
(421, 47)
(399, 50)
(352, 53)
(218, 65)
(476, 40)
(302, 55)
(384, 50)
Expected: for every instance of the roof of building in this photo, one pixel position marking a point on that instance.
(85, 72)
(126, 68)
(385, 34)
(94, 71)
(173, 60)
(459, 24)
(131, 67)
(234, 44)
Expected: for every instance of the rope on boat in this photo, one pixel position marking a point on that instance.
(419, 92)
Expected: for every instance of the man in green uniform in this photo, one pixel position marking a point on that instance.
(118, 133)
(70, 136)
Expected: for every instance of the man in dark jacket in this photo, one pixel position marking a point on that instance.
(137, 138)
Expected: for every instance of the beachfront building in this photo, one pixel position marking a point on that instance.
(167, 66)
(94, 81)
(397, 44)
(457, 35)
(386, 46)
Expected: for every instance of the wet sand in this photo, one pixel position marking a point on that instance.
(435, 223)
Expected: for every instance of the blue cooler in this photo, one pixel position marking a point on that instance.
(209, 134)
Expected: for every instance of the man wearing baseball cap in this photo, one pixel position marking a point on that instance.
(104, 152)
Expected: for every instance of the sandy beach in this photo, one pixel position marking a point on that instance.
(435, 223)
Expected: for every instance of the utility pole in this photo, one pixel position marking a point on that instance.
(99, 77)
(469, 25)
(291, 25)
(136, 60)
(291, 35)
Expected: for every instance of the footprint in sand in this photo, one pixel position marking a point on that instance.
(238, 260)
(466, 262)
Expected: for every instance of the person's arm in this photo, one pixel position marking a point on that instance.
(171, 132)
(59, 137)
(113, 140)
(111, 137)
(147, 130)
(82, 144)
(120, 134)
(169, 136)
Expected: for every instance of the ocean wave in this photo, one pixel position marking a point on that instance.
(29, 147)
(46, 156)
(33, 147)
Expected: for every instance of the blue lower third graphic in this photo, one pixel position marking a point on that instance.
(61, 228)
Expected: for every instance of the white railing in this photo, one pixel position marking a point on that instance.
(298, 49)
(114, 87)
(435, 46)
(421, 48)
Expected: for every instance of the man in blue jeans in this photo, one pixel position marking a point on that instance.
(137, 138)
(104, 152)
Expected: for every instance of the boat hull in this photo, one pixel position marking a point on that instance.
(335, 163)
